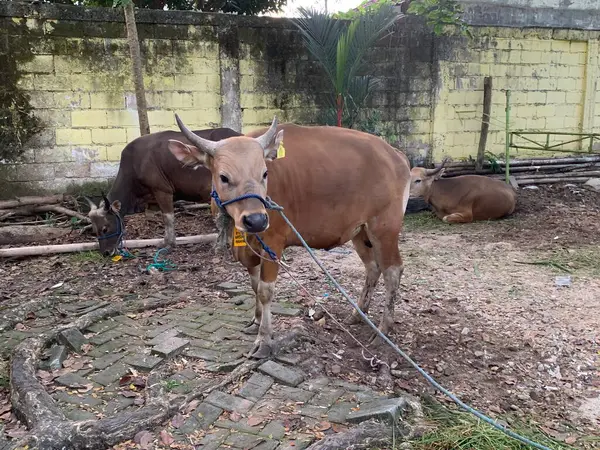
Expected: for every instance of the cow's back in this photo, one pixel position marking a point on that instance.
(332, 180)
(154, 168)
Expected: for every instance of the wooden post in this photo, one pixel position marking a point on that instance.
(485, 122)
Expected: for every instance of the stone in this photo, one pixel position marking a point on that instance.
(256, 386)
(170, 347)
(228, 286)
(104, 361)
(73, 380)
(326, 397)
(283, 311)
(289, 358)
(267, 445)
(145, 363)
(224, 366)
(87, 400)
(103, 338)
(206, 414)
(273, 430)
(243, 440)
(301, 442)
(229, 402)
(102, 326)
(293, 394)
(58, 353)
(118, 404)
(155, 331)
(239, 299)
(316, 412)
(110, 374)
(201, 353)
(172, 332)
(72, 338)
(388, 410)
(111, 347)
(339, 412)
(237, 426)
(284, 375)
(213, 441)
(593, 184)
(79, 415)
(212, 326)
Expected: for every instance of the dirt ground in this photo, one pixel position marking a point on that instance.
(481, 309)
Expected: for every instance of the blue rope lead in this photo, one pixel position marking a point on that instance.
(269, 204)
(164, 265)
(428, 377)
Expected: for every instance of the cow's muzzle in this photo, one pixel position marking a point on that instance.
(256, 222)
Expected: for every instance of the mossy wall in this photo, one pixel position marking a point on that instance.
(72, 66)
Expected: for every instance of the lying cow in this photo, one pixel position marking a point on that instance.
(464, 198)
(335, 184)
(148, 170)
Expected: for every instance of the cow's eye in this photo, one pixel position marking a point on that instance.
(417, 181)
(104, 230)
(265, 175)
(224, 179)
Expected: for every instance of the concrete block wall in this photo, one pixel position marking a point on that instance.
(221, 70)
(551, 76)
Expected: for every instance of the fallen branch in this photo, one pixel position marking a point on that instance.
(22, 234)
(367, 435)
(79, 247)
(24, 201)
(195, 206)
(32, 210)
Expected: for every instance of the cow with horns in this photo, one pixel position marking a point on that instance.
(148, 171)
(335, 184)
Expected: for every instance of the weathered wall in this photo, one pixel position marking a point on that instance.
(232, 71)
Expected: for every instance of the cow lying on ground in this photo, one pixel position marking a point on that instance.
(335, 184)
(148, 170)
(464, 198)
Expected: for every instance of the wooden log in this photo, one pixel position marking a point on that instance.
(530, 162)
(36, 209)
(79, 247)
(485, 121)
(195, 206)
(24, 201)
(23, 234)
(523, 181)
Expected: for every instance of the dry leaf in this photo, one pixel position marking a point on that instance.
(143, 439)
(68, 363)
(570, 440)
(234, 416)
(177, 421)
(192, 406)
(322, 426)
(128, 394)
(139, 401)
(166, 438)
(254, 421)
(20, 327)
(86, 348)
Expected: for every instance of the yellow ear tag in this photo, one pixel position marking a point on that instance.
(280, 151)
(117, 258)
(238, 238)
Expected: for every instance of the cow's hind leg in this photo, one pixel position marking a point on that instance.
(383, 232)
(364, 248)
(165, 203)
(464, 217)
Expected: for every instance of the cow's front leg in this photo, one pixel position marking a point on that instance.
(252, 328)
(264, 295)
(464, 217)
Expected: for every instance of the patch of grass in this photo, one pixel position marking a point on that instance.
(4, 382)
(425, 220)
(172, 384)
(87, 256)
(458, 430)
(582, 260)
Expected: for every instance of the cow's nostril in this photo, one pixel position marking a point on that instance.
(256, 223)
(106, 253)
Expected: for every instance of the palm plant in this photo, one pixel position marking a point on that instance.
(340, 48)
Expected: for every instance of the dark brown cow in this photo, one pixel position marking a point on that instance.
(148, 170)
(335, 184)
(464, 198)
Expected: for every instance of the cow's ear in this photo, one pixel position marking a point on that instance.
(188, 154)
(272, 150)
(116, 205)
(438, 175)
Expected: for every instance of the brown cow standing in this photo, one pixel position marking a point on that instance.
(148, 170)
(335, 184)
(464, 198)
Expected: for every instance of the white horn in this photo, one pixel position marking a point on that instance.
(91, 203)
(205, 145)
(265, 139)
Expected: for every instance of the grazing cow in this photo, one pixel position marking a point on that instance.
(464, 198)
(335, 184)
(148, 170)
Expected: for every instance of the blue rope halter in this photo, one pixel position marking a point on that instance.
(269, 204)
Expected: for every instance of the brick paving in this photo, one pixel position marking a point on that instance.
(275, 407)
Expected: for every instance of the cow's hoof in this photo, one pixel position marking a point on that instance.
(251, 329)
(354, 319)
(261, 350)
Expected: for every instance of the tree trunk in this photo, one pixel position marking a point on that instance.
(136, 61)
(485, 122)
(340, 109)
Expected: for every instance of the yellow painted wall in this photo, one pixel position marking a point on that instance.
(547, 74)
